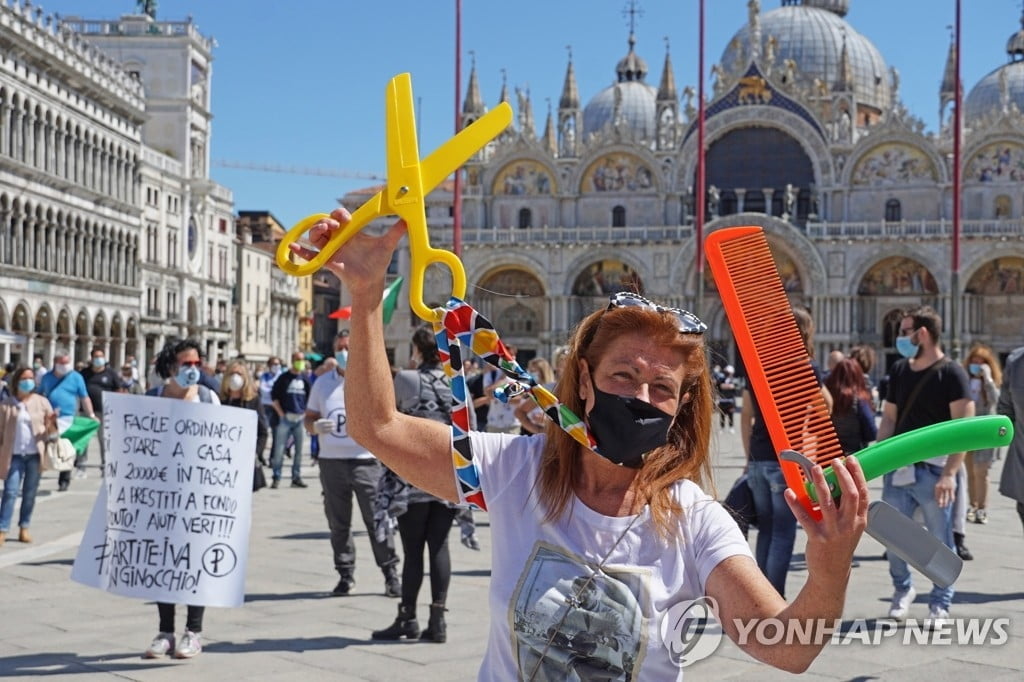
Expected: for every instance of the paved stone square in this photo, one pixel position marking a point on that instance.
(290, 628)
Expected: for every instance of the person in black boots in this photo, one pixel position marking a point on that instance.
(422, 392)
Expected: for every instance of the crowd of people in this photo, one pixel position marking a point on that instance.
(923, 387)
(567, 514)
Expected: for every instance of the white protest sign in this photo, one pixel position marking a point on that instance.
(171, 521)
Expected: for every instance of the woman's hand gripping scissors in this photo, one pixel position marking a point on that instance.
(409, 181)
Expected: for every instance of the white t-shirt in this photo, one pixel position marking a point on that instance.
(538, 568)
(327, 397)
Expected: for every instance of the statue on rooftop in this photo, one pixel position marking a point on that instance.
(147, 7)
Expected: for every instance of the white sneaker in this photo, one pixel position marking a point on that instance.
(981, 516)
(190, 645)
(81, 473)
(901, 601)
(161, 645)
(970, 515)
(937, 617)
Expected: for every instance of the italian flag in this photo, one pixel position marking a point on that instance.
(390, 301)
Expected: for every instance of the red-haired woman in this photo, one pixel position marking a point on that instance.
(852, 412)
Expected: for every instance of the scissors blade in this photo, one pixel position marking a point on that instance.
(444, 160)
(403, 155)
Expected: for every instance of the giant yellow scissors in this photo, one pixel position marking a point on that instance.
(409, 181)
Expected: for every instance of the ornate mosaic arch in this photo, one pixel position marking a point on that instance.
(998, 276)
(893, 163)
(606, 277)
(997, 162)
(618, 172)
(523, 178)
(898, 275)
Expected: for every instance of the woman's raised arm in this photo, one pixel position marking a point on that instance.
(418, 450)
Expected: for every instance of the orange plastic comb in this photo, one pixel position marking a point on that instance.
(773, 351)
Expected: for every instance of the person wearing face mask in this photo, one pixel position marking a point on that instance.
(38, 368)
(985, 379)
(65, 389)
(924, 388)
(100, 377)
(178, 365)
(27, 422)
(239, 390)
(290, 394)
(128, 383)
(266, 385)
(625, 511)
(347, 469)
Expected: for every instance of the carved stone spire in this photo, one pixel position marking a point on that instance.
(947, 91)
(667, 88)
(549, 139)
(474, 102)
(570, 91)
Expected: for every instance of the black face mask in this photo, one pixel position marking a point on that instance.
(626, 428)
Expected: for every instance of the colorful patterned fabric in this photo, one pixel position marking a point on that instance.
(459, 327)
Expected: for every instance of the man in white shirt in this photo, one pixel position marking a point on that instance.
(346, 468)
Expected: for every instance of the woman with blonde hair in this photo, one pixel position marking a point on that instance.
(985, 379)
(239, 389)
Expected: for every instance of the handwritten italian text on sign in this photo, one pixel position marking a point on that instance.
(171, 522)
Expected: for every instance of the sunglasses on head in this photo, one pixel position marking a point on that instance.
(688, 322)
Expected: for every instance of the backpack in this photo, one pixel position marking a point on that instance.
(435, 397)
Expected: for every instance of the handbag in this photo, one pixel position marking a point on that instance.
(740, 503)
(61, 454)
(259, 479)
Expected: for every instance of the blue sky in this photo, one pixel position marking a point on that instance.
(301, 83)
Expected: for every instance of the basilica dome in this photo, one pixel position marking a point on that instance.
(813, 34)
(987, 95)
(630, 102)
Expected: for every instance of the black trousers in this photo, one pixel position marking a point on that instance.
(426, 524)
(193, 619)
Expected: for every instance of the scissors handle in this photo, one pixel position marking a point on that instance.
(422, 256)
(363, 215)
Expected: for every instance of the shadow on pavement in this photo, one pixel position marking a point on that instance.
(51, 562)
(984, 597)
(286, 644)
(68, 663)
(474, 572)
(313, 535)
(288, 596)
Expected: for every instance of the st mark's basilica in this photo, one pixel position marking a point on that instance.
(806, 136)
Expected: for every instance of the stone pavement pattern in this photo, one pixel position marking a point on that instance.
(291, 629)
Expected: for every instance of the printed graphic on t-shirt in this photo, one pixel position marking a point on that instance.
(337, 415)
(573, 621)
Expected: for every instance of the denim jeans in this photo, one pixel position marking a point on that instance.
(937, 519)
(24, 474)
(284, 429)
(776, 525)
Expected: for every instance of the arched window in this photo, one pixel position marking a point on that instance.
(619, 216)
(525, 218)
(893, 211)
(1003, 207)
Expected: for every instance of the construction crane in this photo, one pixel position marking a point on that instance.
(297, 170)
